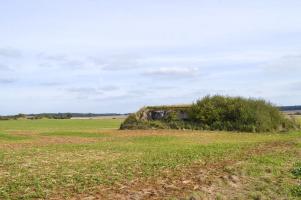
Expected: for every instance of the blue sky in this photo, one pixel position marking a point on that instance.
(118, 55)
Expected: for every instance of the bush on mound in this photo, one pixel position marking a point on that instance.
(219, 113)
(239, 114)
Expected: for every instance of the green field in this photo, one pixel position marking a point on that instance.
(63, 124)
(91, 159)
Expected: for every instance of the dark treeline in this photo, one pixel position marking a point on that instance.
(55, 115)
(290, 108)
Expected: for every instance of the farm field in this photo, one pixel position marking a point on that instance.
(92, 159)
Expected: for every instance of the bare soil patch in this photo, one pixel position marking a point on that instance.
(45, 141)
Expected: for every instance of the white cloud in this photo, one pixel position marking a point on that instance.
(10, 52)
(4, 67)
(109, 88)
(53, 57)
(288, 63)
(173, 72)
(116, 62)
(7, 80)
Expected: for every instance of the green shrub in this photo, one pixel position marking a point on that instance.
(297, 171)
(239, 114)
(130, 122)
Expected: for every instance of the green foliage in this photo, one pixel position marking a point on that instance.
(217, 113)
(239, 114)
(296, 190)
(139, 124)
(171, 122)
(297, 171)
(131, 122)
(171, 117)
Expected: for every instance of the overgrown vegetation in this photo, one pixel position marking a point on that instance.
(239, 114)
(296, 172)
(133, 123)
(217, 113)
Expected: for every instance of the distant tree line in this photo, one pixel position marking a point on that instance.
(54, 116)
(290, 108)
(37, 116)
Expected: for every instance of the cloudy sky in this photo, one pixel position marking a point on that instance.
(118, 55)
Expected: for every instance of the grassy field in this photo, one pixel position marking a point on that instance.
(64, 124)
(91, 159)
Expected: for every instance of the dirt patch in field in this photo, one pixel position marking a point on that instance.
(205, 180)
(24, 133)
(127, 133)
(45, 141)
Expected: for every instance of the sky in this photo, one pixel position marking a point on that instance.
(116, 56)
